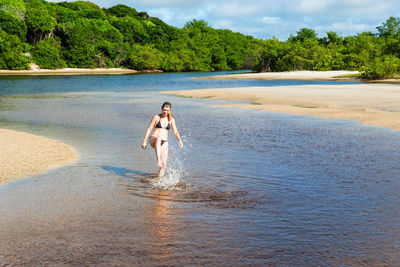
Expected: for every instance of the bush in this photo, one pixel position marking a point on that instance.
(12, 25)
(144, 58)
(39, 21)
(11, 57)
(91, 43)
(172, 62)
(381, 68)
(47, 54)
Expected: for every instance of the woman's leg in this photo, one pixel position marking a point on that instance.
(156, 144)
(164, 158)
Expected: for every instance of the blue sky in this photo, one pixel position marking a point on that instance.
(265, 19)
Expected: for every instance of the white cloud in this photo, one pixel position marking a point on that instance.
(174, 4)
(312, 6)
(223, 24)
(271, 20)
(236, 10)
(345, 28)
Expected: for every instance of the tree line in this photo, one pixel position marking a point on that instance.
(375, 55)
(82, 35)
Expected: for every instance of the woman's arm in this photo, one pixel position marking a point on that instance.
(149, 129)
(176, 133)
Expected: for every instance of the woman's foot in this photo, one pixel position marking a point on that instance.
(161, 172)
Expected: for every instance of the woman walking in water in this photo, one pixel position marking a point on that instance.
(159, 139)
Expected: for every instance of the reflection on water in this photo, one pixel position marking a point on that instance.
(249, 188)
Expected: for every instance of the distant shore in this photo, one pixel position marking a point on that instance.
(23, 154)
(290, 75)
(373, 104)
(74, 71)
(300, 76)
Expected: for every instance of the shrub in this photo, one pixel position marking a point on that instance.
(12, 25)
(144, 58)
(47, 54)
(381, 68)
(11, 57)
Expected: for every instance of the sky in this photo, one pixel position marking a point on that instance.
(265, 19)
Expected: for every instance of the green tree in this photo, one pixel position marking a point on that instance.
(12, 25)
(198, 32)
(11, 57)
(328, 59)
(178, 56)
(389, 32)
(381, 68)
(390, 28)
(298, 56)
(63, 14)
(132, 29)
(39, 22)
(172, 62)
(160, 33)
(80, 5)
(47, 54)
(303, 34)
(144, 58)
(91, 43)
(236, 48)
(332, 38)
(268, 55)
(121, 11)
(16, 8)
(79, 9)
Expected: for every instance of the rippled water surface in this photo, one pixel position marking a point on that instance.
(249, 188)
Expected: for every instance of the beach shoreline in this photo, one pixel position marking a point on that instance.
(289, 75)
(74, 71)
(23, 154)
(370, 104)
(301, 76)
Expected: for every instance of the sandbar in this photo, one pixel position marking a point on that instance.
(370, 104)
(23, 154)
(290, 75)
(73, 71)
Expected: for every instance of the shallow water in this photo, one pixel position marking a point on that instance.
(249, 187)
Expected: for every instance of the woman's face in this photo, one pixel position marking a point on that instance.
(165, 110)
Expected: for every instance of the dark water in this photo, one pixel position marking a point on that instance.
(249, 188)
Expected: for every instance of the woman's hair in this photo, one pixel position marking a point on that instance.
(167, 104)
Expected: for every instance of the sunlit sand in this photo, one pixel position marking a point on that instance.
(289, 75)
(370, 104)
(24, 154)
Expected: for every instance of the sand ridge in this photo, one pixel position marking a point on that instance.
(23, 154)
(74, 71)
(289, 75)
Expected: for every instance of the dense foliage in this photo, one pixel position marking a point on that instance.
(375, 55)
(81, 34)
(11, 57)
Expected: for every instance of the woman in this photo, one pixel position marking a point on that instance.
(159, 138)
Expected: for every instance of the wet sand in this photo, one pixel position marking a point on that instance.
(24, 154)
(370, 104)
(72, 71)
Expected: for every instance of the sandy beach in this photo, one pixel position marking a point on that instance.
(370, 104)
(72, 71)
(290, 75)
(24, 154)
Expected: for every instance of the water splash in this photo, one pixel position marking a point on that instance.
(175, 174)
(169, 181)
